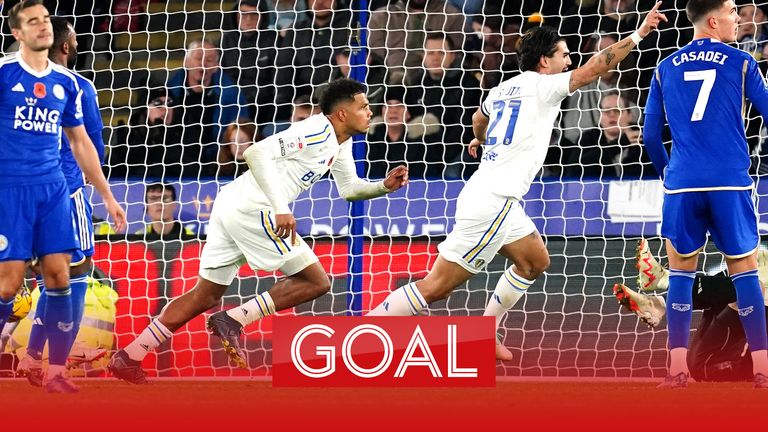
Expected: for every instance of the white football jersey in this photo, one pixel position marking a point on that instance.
(304, 153)
(522, 113)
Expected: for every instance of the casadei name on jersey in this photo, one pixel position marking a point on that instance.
(710, 56)
(33, 118)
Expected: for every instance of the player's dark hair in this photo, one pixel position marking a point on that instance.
(338, 91)
(61, 33)
(161, 187)
(697, 9)
(537, 42)
(13, 14)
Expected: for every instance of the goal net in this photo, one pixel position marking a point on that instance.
(186, 85)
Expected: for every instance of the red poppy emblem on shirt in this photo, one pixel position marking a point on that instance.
(39, 90)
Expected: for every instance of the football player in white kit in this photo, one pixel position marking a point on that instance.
(514, 125)
(251, 222)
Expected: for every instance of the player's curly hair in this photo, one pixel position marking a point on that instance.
(337, 91)
(537, 42)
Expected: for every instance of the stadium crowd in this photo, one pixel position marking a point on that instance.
(430, 63)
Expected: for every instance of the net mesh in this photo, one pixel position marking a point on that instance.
(185, 85)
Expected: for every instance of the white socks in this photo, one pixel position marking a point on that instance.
(152, 336)
(253, 310)
(678, 361)
(404, 301)
(509, 289)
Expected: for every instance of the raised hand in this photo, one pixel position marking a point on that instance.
(652, 21)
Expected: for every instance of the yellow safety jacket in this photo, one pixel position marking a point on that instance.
(96, 329)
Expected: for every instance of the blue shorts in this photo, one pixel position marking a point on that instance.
(35, 220)
(728, 215)
(81, 218)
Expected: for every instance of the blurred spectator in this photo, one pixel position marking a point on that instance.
(288, 14)
(341, 60)
(248, 56)
(151, 144)
(305, 58)
(207, 99)
(615, 148)
(447, 91)
(303, 107)
(126, 16)
(752, 33)
(399, 138)
(397, 33)
(493, 45)
(581, 109)
(162, 212)
(237, 138)
(618, 16)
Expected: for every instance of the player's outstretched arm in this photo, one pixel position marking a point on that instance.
(88, 159)
(610, 57)
(353, 188)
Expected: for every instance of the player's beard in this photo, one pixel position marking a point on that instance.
(71, 58)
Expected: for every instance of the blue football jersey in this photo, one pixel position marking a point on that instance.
(702, 88)
(93, 125)
(34, 106)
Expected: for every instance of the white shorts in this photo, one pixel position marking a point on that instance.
(235, 237)
(484, 223)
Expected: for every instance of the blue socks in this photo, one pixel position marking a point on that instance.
(79, 285)
(38, 336)
(751, 304)
(57, 320)
(6, 309)
(679, 307)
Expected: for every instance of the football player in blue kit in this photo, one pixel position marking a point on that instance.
(699, 91)
(40, 101)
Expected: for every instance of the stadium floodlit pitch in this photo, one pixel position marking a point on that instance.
(186, 405)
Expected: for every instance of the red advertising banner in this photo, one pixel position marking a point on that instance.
(383, 352)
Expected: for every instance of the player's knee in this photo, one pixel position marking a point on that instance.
(533, 269)
(7, 292)
(58, 279)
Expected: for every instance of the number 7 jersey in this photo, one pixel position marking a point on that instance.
(701, 89)
(521, 115)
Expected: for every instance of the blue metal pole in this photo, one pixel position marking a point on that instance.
(355, 242)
